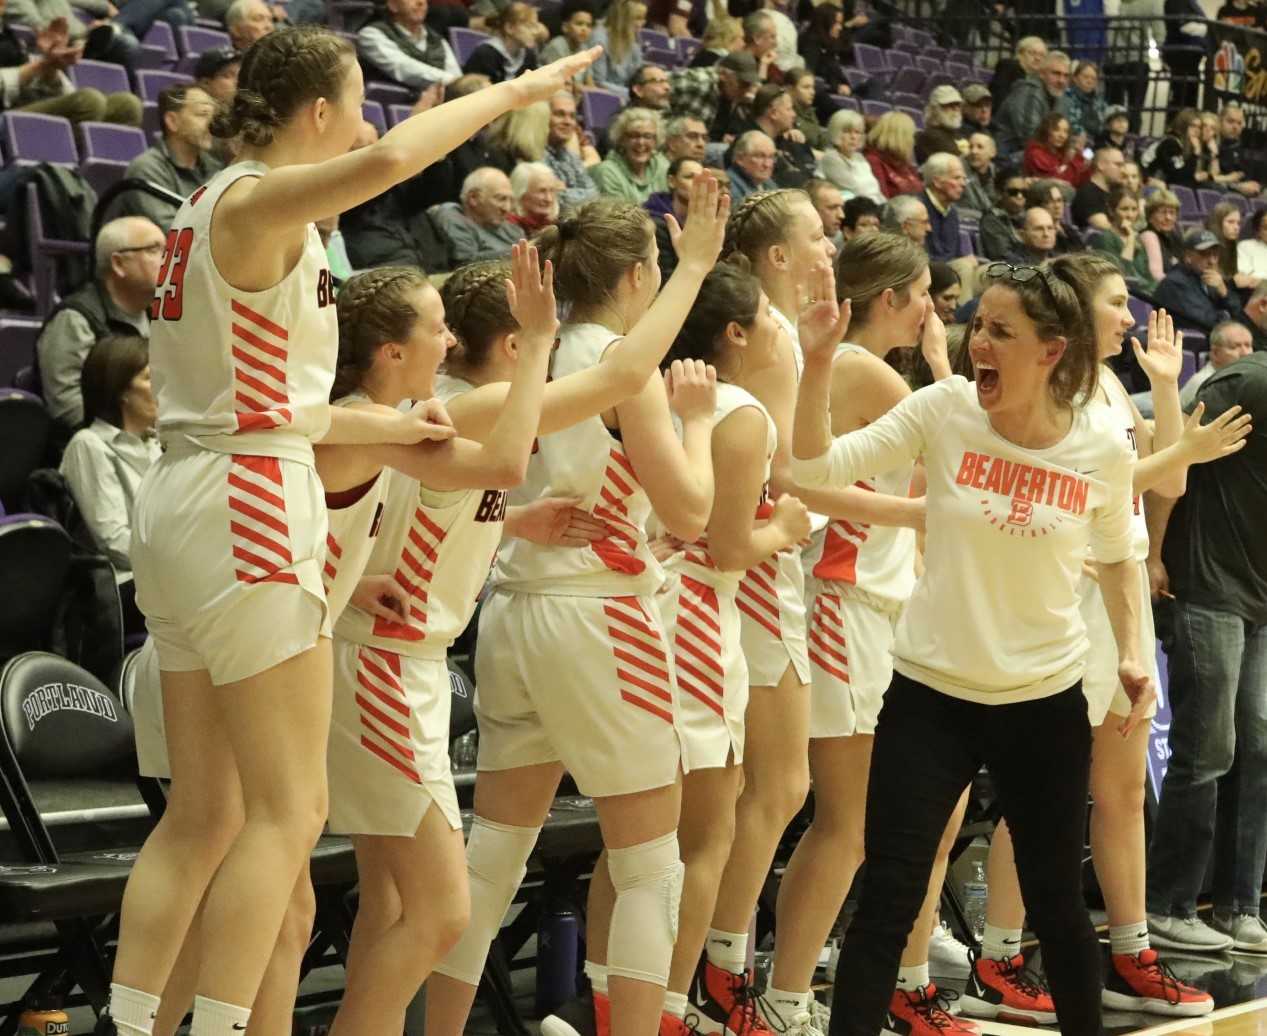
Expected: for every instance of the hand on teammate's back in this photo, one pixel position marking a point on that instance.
(699, 242)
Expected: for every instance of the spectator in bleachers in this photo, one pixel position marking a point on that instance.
(216, 73)
(478, 225)
(829, 203)
(981, 194)
(1116, 132)
(622, 52)
(509, 50)
(442, 181)
(398, 45)
(1193, 290)
(774, 114)
(908, 216)
(181, 162)
(1224, 222)
(678, 18)
(1052, 154)
(978, 110)
(723, 35)
(943, 119)
(823, 48)
(1031, 52)
(518, 135)
(40, 84)
(577, 28)
(786, 57)
(1082, 104)
(944, 183)
(843, 163)
(106, 459)
(114, 37)
(1183, 50)
(248, 21)
(1000, 227)
(752, 166)
(716, 95)
(1161, 238)
(1133, 179)
(803, 88)
(761, 40)
(891, 152)
(535, 190)
(685, 137)
(1121, 241)
(1176, 159)
(1050, 195)
(1029, 101)
(681, 174)
(634, 168)
(116, 301)
(1234, 172)
(565, 152)
(1090, 200)
(1126, 75)
(1229, 342)
(649, 88)
(1251, 254)
(1038, 239)
(944, 289)
(862, 216)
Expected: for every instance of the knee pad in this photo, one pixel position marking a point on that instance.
(496, 862)
(648, 882)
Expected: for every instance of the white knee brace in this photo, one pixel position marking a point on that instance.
(648, 883)
(496, 862)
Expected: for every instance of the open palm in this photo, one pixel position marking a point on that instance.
(1163, 360)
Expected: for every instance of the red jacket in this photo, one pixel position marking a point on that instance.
(894, 176)
(1040, 160)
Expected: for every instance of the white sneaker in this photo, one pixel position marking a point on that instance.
(947, 956)
(819, 1014)
(1186, 934)
(799, 1024)
(1247, 931)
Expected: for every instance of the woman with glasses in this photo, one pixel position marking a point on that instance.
(990, 651)
(844, 163)
(634, 168)
(1161, 238)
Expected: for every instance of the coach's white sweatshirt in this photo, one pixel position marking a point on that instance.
(995, 618)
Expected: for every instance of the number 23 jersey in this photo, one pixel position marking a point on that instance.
(253, 365)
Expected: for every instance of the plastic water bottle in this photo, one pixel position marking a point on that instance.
(975, 893)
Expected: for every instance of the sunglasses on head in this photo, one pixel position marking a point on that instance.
(1022, 275)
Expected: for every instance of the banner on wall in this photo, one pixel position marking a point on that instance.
(1237, 68)
(1159, 739)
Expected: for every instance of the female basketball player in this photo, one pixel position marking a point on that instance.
(1137, 979)
(860, 578)
(230, 526)
(988, 655)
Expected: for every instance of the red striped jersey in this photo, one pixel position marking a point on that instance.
(255, 366)
(586, 461)
(879, 559)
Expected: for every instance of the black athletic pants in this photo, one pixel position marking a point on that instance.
(928, 747)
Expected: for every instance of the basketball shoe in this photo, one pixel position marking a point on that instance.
(725, 1002)
(1007, 990)
(924, 1012)
(1141, 982)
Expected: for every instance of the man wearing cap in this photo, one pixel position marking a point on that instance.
(978, 109)
(943, 119)
(1116, 132)
(1091, 200)
(1029, 100)
(1194, 291)
(216, 73)
(716, 95)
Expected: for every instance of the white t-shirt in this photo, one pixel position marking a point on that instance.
(994, 618)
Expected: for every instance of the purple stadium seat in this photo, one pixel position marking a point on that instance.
(107, 151)
(25, 33)
(1189, 367)
(665, 57)
(32, 138)
(1207, 199)
(909, 80)
(44, 252)
(870, 59)
(149, 84)
(599, 107)
(958, 57)
(844, 102)
(1239, 200)
(905, 100)
(901, 59)
(17, 346)
(192, 40)
(464, 42)
(929, 64)
(876, 108)
(922, 39)
(916, 114)
(687, 48)
(149, 121)
(1140, 311)
(398, 113)
(159, 48)
(965, 241)
(390, 93)
(373, 113)
(654, 38)
(24, 427)
(960, 72)
(1187, 202)
(100, 75)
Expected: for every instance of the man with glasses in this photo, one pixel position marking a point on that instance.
(908, 216)
(116, 301)
(752, 169)
(650, 88)
(1001, 226)
(563, 153)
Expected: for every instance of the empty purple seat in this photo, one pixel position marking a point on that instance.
(844, 102)
(100, 75)
(464, 42)
(373, 113)
(905, 100)
(1188, 209)
(1239, 200)
(1189, 367)
(36, 554)
(929, 64)
(390, 93)
(398, 113)
(1207, 199)
(24, 428)
(17, 346)
(870, 59)
(192, 40)
(916, 115)
(149, 84)
(163, 38)
(654, 38)
(900, 59)
(908, 80)
(599, 107)
(687, 48)
(44, 253)
(876, 108)
(107, 151)
(960, 72)
(30, 138)
(665, 57)
(150, 125)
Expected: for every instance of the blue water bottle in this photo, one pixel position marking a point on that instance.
(558, 937)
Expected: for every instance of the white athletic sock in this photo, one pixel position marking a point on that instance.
(133, 1011)
(213, 1018)
(1129, 938)
(913, 978)
(597, 974)
(787, 1003)
(1000, 943)
(728, 950)
(675, 1003)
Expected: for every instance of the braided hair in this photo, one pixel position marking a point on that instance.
(478, 312)
(374, 308)
(761, 221)
(280, 73)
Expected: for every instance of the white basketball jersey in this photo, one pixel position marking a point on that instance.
(1119, 406)
(586, 461)
(695, 560)
(240, 371)
(439, 547)
(878, 559)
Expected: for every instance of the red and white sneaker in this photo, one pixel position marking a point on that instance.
(672, 1025)
(924, 1012)
(1141, 982)
(1005, 989)
(725, 1002)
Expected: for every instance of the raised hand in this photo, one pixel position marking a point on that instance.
(543, 83)
(822, 322)
(1223, 436)
(530, 293)
(700, 241)
(692, 388)
(1163, 359)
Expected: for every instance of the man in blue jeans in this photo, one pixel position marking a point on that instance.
(1213, 558)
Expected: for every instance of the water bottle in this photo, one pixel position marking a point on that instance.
(44, 1017)
(975, 893)
(558, 938)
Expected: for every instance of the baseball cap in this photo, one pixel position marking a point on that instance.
(212, 62)
(743, 64)
(975, 93)
(945, 94)
(1114, 111)
(1198, 240)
